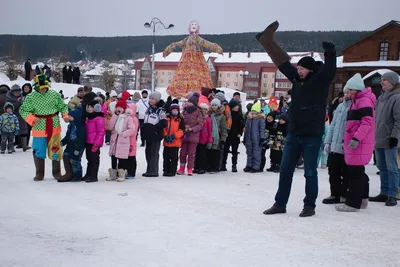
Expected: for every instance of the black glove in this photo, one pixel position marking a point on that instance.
(329, 48)
(393, 142)
(221, 145)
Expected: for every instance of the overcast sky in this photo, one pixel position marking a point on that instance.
(126, 17)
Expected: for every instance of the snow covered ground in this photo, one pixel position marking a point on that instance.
(209, 220)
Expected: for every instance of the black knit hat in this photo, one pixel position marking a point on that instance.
(233, 103)
(284, 116)
(307, 62)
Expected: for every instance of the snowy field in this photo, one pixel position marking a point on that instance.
(209, 220)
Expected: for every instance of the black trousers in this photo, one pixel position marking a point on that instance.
(93, 159)
(117, 163)
(200, 161)
(132, 165)
(141, 121)
(152, 156)
(108, 136)
(235, 146)
(276, 157)
(214, 159)
(7, 140)
(338, 175)
(170, 162)
(358, 186)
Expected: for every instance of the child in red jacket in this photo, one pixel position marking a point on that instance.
(205, 141)
(173, 133)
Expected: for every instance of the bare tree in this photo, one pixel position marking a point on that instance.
(108, 80)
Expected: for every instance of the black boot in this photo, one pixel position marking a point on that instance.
(272, 168)
(67, 177)
(331, 200)
(247, 169)
(223, 168)
(267, 40)
(274, 210)
(379, 198)
(56, 171)
(391, 202)
(234, 169)
(277, 169)
(307, 212)
(39, 164)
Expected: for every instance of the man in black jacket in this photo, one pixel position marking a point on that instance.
(306, 115)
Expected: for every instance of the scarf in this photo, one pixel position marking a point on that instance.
(119, 125)
(215, 133)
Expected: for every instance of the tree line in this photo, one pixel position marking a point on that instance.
(69, 48)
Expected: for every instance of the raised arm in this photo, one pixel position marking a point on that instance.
(212, 47)
(173, 47)
(328, 71)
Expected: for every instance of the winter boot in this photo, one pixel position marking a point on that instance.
(277, 169)
(274, 210)
(67, 177)
(364, 204)
(267, 40)
(379, 198)
(181, 170)
(39, 164)
(307, 212)
(391, 202)
(56, 171)
(121, 175)
(112, 175)
(272, 168)
(24, 144)
(331, 200)
(247, 169)
(223, 168)
(234, 169)
(342, 199)
(345, 208)
(190, 171)
(201, 172)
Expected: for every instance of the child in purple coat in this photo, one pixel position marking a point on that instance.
(95, 131)
(193, 124)
(205, 141)
(359, 140)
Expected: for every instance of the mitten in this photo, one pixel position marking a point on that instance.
(329, 48)
(95, 148)
(209, 145)
(354, 143)
(172, 137)
(221, 145)
(17, 133)
(327, 149)
(393, 142)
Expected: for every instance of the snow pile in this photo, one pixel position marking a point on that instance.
(4, 78)
(379, 63)
(372, 73)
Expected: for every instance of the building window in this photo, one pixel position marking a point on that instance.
(279, 75)
(272, 85)
(383, 50)
(398, 50)
(235, 83)
(169, 73)
(162, 73)
(169, 81)
(162, 81)
(220, 75)
(237, 75)
(337, 88)
(265, 76)
(265, 85)
(219, 84)
(228, 75)
(283, 85)
(227, 84)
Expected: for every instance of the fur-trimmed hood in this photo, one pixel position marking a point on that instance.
(258, 115)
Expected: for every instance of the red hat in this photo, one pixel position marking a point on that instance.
(125, 95)
(121, 103)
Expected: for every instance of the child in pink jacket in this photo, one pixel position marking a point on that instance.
(95, 131)
(205, 141)
(132, 164)
(359, 140)
(122, 127)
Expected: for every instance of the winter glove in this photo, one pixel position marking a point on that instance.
(172, 136)
(329, 48)
(95, 148)
(209, 146)
(354, 143)
(17, 133)
(167, 139)
(327, 149)
(393, 142)
(221, 145)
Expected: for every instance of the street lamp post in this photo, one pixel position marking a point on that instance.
(244, 74)
(153, 24)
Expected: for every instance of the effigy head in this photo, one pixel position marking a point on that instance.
(194, 27)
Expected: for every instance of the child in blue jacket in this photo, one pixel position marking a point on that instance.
(75, 142)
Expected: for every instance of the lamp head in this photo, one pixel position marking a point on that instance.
(170, 26)
(147, 25)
